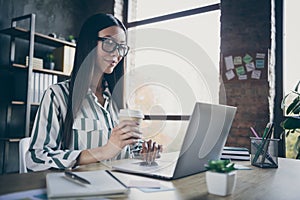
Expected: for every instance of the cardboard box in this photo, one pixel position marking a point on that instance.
(37, 63)
(64, 59)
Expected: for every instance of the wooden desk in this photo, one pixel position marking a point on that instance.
(281, 183)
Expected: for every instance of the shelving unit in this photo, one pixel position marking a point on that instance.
(18, 107)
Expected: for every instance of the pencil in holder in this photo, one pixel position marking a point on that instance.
(264, 152)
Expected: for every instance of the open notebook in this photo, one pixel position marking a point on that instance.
(103, 184)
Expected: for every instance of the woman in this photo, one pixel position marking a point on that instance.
(77, 119)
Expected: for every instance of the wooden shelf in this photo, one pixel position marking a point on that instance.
(23, 103)
(35, 104)
(19, 65)
(48, 71)
(10, 139)
(45, 71)
(18, 103)
(39, 38)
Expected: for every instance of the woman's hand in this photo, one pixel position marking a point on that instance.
(126, 133)
(150, 151)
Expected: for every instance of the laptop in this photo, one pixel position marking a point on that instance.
(204, 140)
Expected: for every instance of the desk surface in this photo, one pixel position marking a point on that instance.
(280, 183)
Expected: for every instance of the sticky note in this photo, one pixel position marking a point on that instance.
(260, 64)
(230, 75)
(229, 62)
(250, 66)
(242, 77)
(237, 60)
(247, 58)
(256, 74)
(240, 70)
(260, 55)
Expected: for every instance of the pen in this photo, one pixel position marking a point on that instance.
(254, 132)
(75, 178)
(267, 142)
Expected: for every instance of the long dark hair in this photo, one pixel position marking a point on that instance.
(83, 70)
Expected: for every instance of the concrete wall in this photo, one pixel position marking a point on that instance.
(63, 17)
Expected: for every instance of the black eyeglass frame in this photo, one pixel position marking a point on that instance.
(117, 46)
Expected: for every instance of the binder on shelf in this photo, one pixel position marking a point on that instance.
(41, 82)
(32, 88)
(50, 79)
(55, 79)
(36, 88)
(41, 86)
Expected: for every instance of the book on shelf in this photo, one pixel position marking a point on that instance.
(235, 153)
(40, 82)
(102, 184)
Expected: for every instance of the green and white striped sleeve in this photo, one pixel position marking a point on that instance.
(45, 148)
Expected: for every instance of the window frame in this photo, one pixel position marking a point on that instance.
(162, 18)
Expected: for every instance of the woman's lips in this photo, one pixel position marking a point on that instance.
(111, 62)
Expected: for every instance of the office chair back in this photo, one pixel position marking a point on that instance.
(23, 148)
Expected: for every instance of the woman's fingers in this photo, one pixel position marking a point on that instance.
(126, 133)
(150, 151)
(126, 123)
(154, 152)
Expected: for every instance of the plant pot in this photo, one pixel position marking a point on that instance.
(221, 184)
(49, 65)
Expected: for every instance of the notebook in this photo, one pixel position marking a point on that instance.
(204, 140)
(103, 184)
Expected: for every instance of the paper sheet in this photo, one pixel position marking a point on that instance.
(37, 194)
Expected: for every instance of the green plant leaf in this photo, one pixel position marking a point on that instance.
(291, 123)
(221, 166)
(294, 107)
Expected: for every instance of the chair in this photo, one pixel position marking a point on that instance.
(23, 148)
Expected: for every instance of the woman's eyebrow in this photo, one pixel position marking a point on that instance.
(114, 39)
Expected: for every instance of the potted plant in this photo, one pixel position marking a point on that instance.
(220, 177)
(291, 107)
(71, 38)
(49, 64)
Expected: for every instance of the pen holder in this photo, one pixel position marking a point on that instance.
(264, 152)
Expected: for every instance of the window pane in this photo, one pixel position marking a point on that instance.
(142, 9)
(171, 66)
(291, 45)
(170, 134)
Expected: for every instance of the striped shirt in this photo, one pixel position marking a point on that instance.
(92, 127)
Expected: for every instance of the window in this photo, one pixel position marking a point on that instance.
(291, 45)
(145, 9)
(291, 75)
(173, 62)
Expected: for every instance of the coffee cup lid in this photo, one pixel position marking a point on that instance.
(131, 113)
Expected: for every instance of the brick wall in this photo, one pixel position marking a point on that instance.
(246, 28)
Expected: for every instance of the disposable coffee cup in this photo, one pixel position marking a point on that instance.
(128, 114)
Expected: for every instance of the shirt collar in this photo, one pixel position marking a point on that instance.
(106, 95)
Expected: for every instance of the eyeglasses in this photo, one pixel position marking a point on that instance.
(109, 46)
